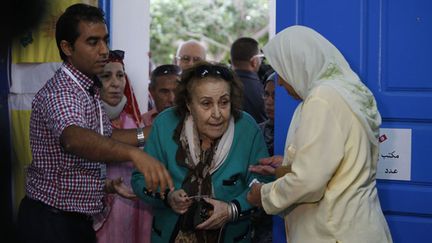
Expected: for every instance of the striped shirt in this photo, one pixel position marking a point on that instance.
(55, 177)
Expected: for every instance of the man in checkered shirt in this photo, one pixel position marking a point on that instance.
(72, 139)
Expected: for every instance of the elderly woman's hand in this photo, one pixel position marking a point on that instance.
(179, 201)
(218, 218)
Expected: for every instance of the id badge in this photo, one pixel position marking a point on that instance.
(103, 171)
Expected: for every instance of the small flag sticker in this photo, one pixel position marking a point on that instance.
(382, 138)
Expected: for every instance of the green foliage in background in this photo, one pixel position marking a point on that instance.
(217, 23)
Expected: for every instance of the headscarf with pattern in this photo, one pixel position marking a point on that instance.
(305, 60)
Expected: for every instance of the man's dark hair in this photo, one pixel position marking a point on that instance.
(67, 24)
(264, 71)
(162, 70)
(243, 49)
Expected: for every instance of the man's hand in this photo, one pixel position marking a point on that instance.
(96, 147)
(219, 216)
(155, 173)
(179, 201)
(267, 166)
(254, 195)
(117, 186)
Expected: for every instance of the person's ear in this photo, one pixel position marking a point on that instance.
(187, 106)
(66, 48)
(254, 63)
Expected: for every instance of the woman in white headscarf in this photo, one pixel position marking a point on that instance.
(332, 148)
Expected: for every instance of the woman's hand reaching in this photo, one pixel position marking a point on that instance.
(267, 166)
(117, 186)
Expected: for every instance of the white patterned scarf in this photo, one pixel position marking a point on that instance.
(305, 60)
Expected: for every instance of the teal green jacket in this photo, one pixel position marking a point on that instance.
(230, 181)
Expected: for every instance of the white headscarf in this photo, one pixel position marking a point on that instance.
(305, 60)
(113, 112)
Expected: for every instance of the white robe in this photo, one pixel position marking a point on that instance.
(332, 146)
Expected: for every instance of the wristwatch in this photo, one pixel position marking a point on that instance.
(140, 137)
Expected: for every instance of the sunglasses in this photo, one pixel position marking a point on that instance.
(166, 69)
(217, 70)
(260, 56)
(117, 54)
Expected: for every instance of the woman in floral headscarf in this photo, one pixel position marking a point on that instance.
(330, 193)
(124, 219)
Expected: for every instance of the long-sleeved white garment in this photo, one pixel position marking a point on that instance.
(330, 195)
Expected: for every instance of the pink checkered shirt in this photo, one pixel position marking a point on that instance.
(55, 177)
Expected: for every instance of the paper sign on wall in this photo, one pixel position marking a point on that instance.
(394, 161)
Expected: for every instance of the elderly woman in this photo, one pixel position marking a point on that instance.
(207, 144)
(330, 195)
(123, 220)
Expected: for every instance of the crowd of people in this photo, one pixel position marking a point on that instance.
(200, 165)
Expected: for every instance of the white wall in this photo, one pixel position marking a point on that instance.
(272, 18)
(130, 31)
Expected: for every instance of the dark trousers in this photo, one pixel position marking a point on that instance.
(38, 222)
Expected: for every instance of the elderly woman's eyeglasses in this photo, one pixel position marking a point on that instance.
(188, 59)
(267, 95)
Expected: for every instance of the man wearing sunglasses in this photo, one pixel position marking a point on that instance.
(246, 59)
(163, 82)
(188, 53)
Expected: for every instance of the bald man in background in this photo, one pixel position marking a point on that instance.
(188, 53)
